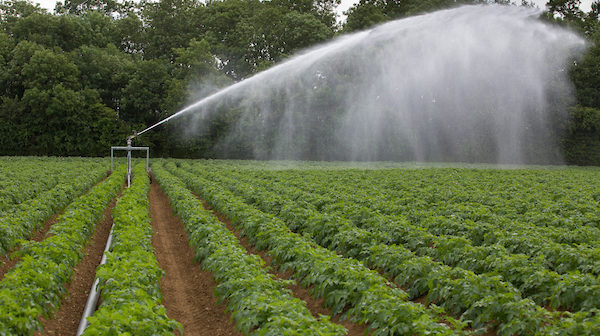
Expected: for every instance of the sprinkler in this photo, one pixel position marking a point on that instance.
(129, 148)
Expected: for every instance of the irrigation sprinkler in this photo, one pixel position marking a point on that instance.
(129, 148)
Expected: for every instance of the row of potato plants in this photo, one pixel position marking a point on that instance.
(259, 302)
(484, 300)
(37, 283)
(557, 197)
(572, 290)
(345, 284)
(129, 280)
(30, 215)
(503, 198)
(25, 179)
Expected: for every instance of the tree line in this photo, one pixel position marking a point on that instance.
(76, 81)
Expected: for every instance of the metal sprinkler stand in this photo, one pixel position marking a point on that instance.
(129, 148)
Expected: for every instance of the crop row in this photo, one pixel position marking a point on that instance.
(31, 214)
(25, 179)
(35, 286)
(481, 298)
(343, 283)
(574, 291)
(129, 281)
(258, 301)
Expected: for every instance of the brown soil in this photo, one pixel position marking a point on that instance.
(187, 290)
(315, 306)
(67, 318)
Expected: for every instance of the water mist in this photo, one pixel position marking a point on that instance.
(474, 84)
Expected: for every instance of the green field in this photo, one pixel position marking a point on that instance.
(401, 248)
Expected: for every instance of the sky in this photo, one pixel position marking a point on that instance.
(585, 4)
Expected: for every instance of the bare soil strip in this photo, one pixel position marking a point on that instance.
(315, 306)
(66, 320)
(187, 290)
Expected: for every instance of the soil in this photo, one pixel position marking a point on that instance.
(315, 306)
(187, 290)
(66, 320)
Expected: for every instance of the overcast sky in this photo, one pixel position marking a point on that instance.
(585, 4)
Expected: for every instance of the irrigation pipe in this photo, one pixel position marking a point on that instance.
(92, 301)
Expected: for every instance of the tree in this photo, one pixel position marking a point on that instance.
(78, 7)
(106, 70)
(129, 34)
(248, 36)
(169, 25)
(13, 79)
(13, 140)
(195, 61)
(50, 31)
(61, 121)
(7, 44)
(12, 11)
(225, 24)
(566, 9)
(367, 13)
(364, 14)
(47, 69)
(322, 10)
(143, 97)
(583, 140)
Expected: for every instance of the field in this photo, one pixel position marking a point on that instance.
(284, 248)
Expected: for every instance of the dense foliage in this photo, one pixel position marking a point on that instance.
(34, 288)
(75, 82)
(82, 79)
(514, 250)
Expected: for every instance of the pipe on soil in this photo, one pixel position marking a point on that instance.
(92, 301)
